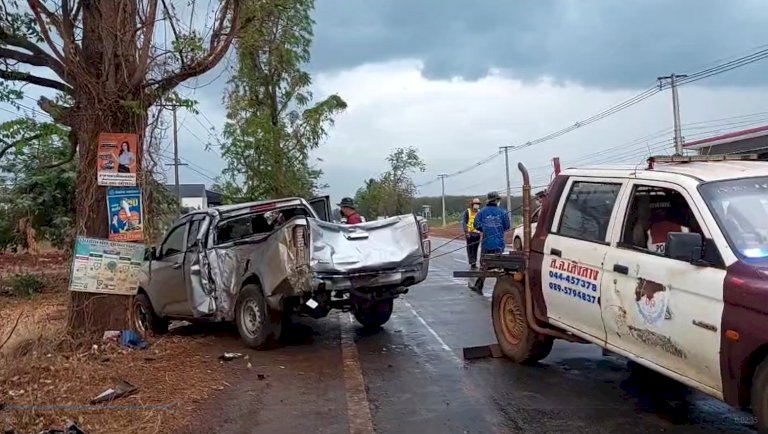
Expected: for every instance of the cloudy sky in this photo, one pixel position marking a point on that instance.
(458, 79)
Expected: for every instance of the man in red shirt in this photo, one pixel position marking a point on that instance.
(349, 211)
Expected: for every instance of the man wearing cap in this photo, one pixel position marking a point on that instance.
(349, 211)
(470, 233)
(492, 222)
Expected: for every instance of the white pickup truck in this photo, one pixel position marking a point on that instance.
(665, 265)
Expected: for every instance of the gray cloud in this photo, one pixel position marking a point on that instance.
(605, 43)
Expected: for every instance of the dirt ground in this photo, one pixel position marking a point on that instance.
(46, 379)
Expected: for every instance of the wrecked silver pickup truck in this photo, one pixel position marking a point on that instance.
(255, 263)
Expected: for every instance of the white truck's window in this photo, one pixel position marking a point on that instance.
(174, 243)
(587, 212)
(654, 212)
(739, 208)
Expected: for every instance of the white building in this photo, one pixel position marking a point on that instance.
(195, 196)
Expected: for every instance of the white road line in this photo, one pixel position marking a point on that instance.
(460, 261)
(433, 332)
(358, 409)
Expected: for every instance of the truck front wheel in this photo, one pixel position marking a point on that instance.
(759, 399)
(517, 340)
(373, 313)
(259, 326)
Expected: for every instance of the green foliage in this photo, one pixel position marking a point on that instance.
(30, 189)
(456, 205)
(272, 127)
(24, 284)
(393, 192)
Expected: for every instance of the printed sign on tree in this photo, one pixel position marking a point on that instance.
(118, 154)
(126, 222)
(106, 267)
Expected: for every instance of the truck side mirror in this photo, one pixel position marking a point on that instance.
(153, 253)
(684, 246)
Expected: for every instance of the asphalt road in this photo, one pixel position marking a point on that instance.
(409, 377)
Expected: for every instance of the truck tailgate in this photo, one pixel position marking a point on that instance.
(383, 245)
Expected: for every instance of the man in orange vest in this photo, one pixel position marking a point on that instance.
(470, 233)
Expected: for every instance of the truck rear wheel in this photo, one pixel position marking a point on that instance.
(259, 326)
(517, 340)
(373, 313)
(759, 399)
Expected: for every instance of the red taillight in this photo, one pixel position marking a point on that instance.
(424, 229)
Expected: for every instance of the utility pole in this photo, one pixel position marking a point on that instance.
(509, 185)
(442, 181)
(675, 109)
(176, 162)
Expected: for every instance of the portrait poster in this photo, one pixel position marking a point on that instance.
(106, 267)
(118, 159)
(126, 219)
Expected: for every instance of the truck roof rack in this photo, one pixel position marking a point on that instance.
(692, 158)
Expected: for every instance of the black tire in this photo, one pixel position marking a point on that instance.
(517, 340)
(372, 314)
(259, 326)
(517, 243)
(144, 317)
(759, 399)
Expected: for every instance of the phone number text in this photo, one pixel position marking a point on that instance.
(575, 293)
(573, 280)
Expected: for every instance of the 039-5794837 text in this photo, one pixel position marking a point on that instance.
(575, 293)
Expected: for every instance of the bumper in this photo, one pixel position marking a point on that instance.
(390, 278)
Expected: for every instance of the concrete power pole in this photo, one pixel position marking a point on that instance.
(675, 109)
(509, 185)
(176, 161)
(442, 181)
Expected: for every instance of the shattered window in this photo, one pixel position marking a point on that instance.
(588, 209)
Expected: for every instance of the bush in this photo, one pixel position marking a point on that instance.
(24, 284)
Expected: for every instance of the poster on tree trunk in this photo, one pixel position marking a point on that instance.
(126, 221)
(117, 162)
(106, 267)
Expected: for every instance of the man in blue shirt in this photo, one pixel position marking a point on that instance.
(492, 222)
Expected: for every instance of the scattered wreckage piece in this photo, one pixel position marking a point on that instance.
(483, 351)
(256, 263)
(122, 389)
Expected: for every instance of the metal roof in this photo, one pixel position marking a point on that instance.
(735, 136)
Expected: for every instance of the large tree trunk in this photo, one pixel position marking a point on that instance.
(90, 313)
(109, 56)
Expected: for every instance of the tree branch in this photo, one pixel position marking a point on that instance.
(147, 31)
(72, 152)
(203, 65)
(43, 57)
(7, 146)
(33, 79)
(38, 9)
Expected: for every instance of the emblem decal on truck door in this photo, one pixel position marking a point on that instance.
(652, 301)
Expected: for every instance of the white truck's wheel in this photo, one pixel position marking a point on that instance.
(759, 399)
(516, 339)
(144, 317)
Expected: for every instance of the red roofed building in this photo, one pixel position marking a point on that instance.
(751, 141)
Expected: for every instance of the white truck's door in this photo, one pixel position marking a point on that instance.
(665, 311)
(574, 252)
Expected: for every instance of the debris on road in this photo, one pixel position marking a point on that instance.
(132, 339)
(71, 428)
(110, 336)
(483, 351)
(122, 389)
(228, 357)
